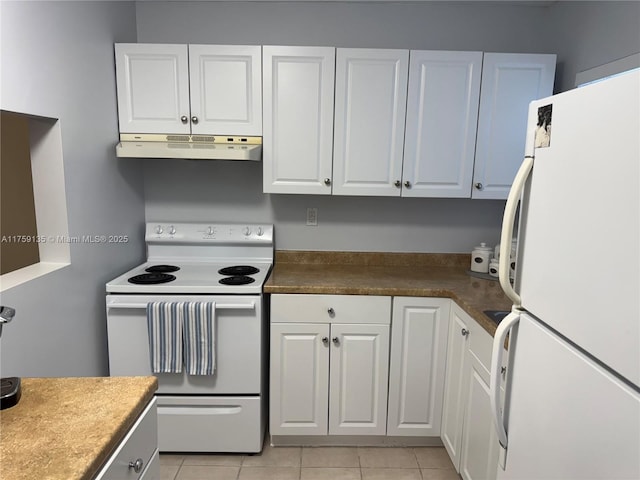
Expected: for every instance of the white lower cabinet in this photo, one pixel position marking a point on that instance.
(136, 457)
(417, 366)
(480, 445)
(467, 429)
(329, 364)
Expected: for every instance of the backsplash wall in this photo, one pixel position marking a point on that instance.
(232, 192)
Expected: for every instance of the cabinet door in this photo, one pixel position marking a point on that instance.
(226, 89)
(358, 384)
(371, 96)
(510, 82)
(455, 390)
(442, 116)
(480, 447)
(153, 88)
(299, 379)
(417, 365)
(298, 85)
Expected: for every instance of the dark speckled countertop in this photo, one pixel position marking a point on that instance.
(393, 274)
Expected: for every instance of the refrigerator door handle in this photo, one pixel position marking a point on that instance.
(508, 220)
(496, 366)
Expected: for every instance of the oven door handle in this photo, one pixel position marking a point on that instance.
(219, 306)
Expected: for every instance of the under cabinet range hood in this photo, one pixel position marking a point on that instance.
(196, 147)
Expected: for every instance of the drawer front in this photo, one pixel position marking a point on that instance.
(210, 424)
(330, 309)
(139, 446)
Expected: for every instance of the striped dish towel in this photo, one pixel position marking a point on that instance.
(199, 338)
(164, 323)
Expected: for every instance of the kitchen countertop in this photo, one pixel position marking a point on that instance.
(66, 428)
(394, 274)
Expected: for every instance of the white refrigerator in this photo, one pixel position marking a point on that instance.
(571, 408)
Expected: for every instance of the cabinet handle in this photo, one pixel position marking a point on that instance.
(336, 341)
(194, 119)
(407, 184)
(397, 183)
(479, 186)
(464, 332)
(327, 181)
(137, 465)
(184, 119)
(325, 340)
(331, 312)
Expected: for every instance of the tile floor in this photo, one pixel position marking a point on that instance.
(314, 463)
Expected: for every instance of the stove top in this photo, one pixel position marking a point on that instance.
(190, 278)
(194, 258)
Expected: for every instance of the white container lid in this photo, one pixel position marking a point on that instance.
(483, 247)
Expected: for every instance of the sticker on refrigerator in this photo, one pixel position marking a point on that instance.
(543, 128)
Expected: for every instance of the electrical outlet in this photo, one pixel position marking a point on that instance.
(312, 217)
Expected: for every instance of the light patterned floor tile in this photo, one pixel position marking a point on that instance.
(439, 474)
(207, 472)
(168, 472)
(433, 457)
(391, 473)
(214, 459)
(275, 457)
(374, 457)
(269, 473)
(171, 459)
(316, 473)
(329, 457)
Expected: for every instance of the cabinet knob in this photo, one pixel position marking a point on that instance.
(137, 465)
(184, 119)
(407, 184)
(464, 332)
(331, 312)
(397, 183)
(194, 119)
(479, 186)
(336, 341)
(327, 181)
(325, 340)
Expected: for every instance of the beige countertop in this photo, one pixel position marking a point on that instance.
(395, 274)
(66, 428)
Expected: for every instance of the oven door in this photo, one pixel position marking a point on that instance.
(239, 341)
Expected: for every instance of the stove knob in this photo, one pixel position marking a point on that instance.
(260, 231)
(172, 230)
(246, 231)
(159, 229)
(210, 231)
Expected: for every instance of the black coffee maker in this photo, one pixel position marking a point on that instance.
(10, 386)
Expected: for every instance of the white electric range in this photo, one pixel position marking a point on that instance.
(191, 262)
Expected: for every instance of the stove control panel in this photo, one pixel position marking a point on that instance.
(210, 233)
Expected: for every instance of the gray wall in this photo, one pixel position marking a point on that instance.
(589, 34)
(57, 61)
(206, 191)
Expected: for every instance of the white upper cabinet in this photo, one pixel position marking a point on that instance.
(442, 113)
(226, 95)
(370, 106)
(510, 81)
(298, 84)
(153, 88)
(195, 89)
